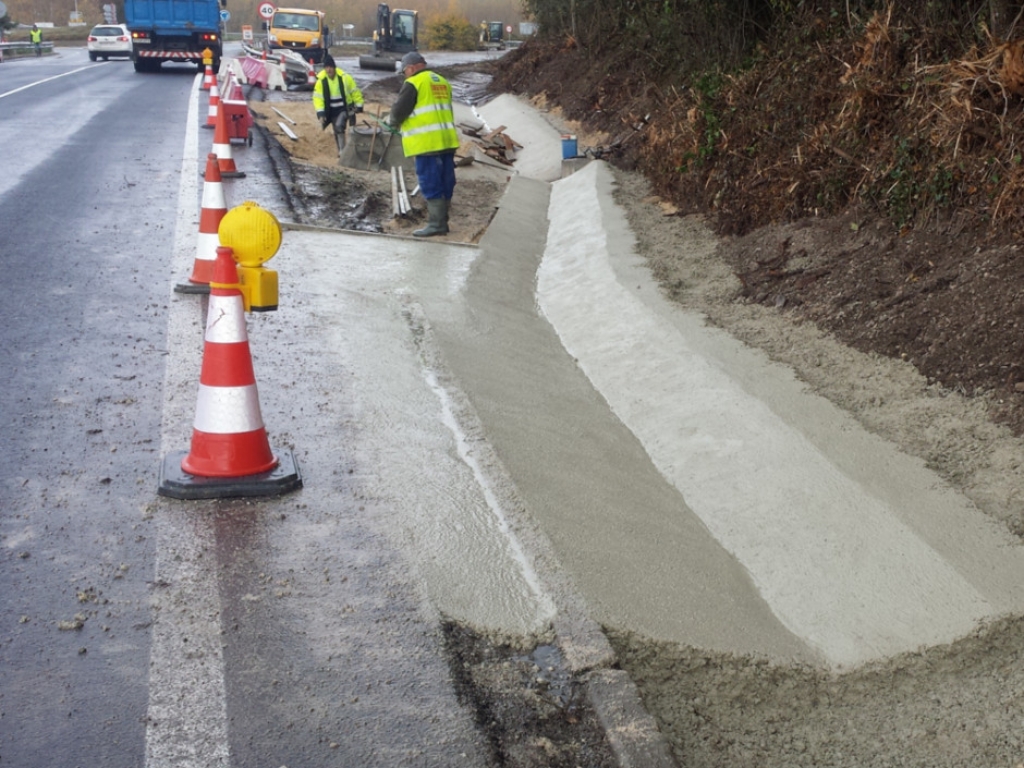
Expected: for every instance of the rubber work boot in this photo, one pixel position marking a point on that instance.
(437, 219)
(444, 217)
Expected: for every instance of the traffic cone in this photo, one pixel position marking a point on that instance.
(214, 110)
(222, 148)
(208, 78)
(230, 454)
(228, 437)
(212, 211)
(311, 77)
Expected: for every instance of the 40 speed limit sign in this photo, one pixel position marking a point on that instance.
(266, 10)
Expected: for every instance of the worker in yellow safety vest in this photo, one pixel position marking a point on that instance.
(36, 34)
(336, 99)
(423, 111)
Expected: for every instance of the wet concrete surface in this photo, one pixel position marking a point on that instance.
(83, 343)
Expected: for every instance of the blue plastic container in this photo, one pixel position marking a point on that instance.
(568, 146)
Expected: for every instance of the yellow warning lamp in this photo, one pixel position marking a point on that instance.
(254, 235)
(207, 57)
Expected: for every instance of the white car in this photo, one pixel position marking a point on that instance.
(106, 40)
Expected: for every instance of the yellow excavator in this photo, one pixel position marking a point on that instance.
(492, 36)
(395, 36)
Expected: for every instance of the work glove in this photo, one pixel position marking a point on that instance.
(324, 122)
(359, 108)
(352, 119)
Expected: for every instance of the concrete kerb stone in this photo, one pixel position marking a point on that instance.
(634, 738)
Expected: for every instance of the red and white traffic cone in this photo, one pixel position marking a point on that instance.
(208, 78)
(228, 436)
(230, 455)
(213, 209)
(311, 76)
(222, 148)
(214, 110)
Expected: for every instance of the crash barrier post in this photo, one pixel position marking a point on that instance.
(230, 454)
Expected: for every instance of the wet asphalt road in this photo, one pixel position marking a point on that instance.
(89, 157)
(121, 611)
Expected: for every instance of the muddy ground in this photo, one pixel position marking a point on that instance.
(329, 195)
(870, 334)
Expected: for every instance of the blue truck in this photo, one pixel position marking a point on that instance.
(174, 30)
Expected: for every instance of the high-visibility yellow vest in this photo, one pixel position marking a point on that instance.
(37, 35)
(342, 91)
(431, 126)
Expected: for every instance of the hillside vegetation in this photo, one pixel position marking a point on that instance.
(888, 134)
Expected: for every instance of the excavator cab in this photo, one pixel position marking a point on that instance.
(396, 34)
(492, 36)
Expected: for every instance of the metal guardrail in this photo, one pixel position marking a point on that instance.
(24, 48)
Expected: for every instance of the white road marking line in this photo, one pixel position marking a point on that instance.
(44, 80)
(186, 723)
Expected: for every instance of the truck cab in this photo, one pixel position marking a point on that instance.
(300, 30)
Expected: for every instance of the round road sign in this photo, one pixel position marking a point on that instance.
(508, 28)
(266, 10)
(225, 15)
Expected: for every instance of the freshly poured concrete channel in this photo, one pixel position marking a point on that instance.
(718, 503)
(687, 488)
(858, 550)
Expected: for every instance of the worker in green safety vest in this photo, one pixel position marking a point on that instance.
(36, 35)
(336, 99)
(423, 111)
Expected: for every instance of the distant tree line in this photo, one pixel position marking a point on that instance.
(698, 33)
(361, 14)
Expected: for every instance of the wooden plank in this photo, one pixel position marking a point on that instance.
(288, 131)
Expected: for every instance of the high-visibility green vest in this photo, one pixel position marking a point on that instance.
(37, 35)
(342, 91)
(431, 126)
